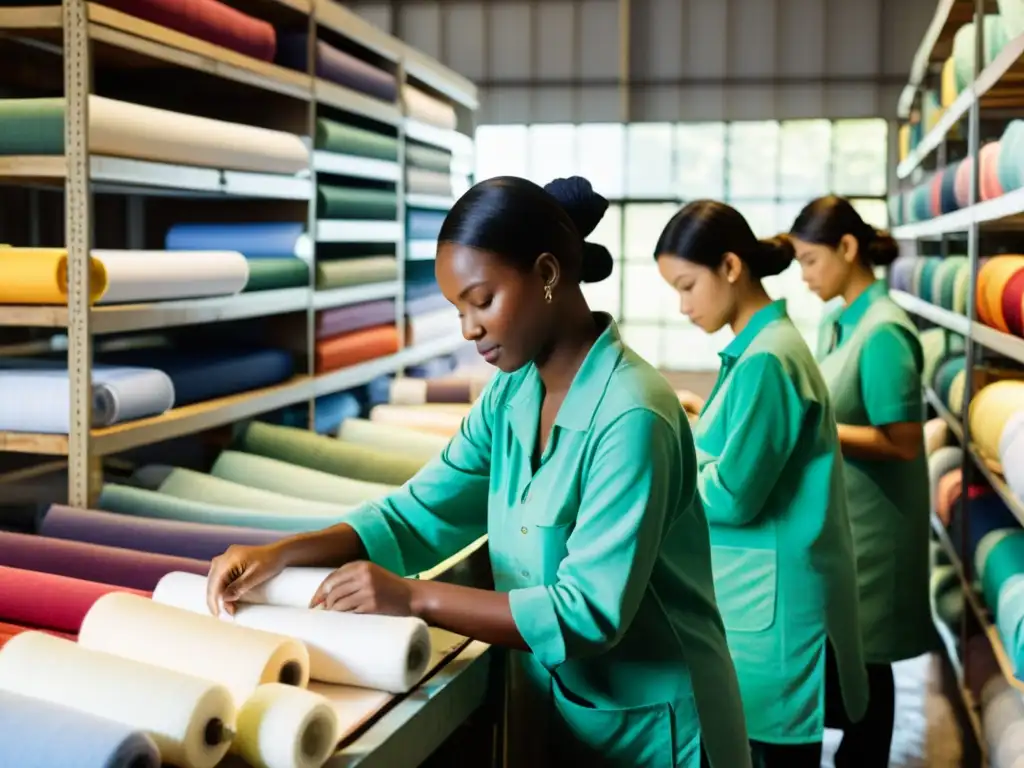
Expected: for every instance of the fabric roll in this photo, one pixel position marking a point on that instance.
(991, 409)
(419, 181)
(334, 202)
(239, 658)
(948, 202)
(1011, 156)
(956, 392)
(326, 454)
(331, 410)
(439, 324)
(201, 375)
(424, 225)
(962, 184)
(944, 376)
(337, 66)
(940, 464)
(1011, 303)
(425, 303)
(332, 136)
(927, 278)
(281, 726)
(377, 390)
(273, 274)
(36, 733)
(986, 545)
(388, 653)
(933, 345)
(1012, 13)
(434, 368)
(207, 20)
(948, 277)
(28, 398)
(188, 718)
(389, 437)
(348, 349)
(293, 480)
(47, 601)
(122, 129)
(989, 182)
(451, 389)
(254, 240)
(948, 88)
(190, 485)
(935, 198)
(342, 273)
(354, 317)
(165, 537)
(92, 562)
(962, 289)
(1011, 453)
(947, 494)
(438, 420)
(1005, 559)
(139, 502)
(422, 106)
(428, 158)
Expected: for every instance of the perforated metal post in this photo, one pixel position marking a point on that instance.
(78, 239)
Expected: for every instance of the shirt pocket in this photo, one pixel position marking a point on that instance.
(630, 737)
(544, 547)
(746, 586)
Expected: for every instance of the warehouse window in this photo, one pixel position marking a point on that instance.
(767, 169)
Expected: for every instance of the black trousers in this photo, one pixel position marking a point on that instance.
(779, 755)
(865, 744)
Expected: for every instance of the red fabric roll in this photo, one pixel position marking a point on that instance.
(16, 629)
(207, 20)
(357, 347)
(1013, 303)
(49, 602)
(936, 195)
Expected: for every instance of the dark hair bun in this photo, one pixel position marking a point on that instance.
(774, 256)
(882, 250)
(586, 208)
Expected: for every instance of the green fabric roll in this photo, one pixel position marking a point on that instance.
(945, 373)
(354, 203)
(269, 274)
(947, 595)
(142, 503)
(32, 126)
(927, 278)
(428, 157)
(985, 546)
(961, 289)
(195, 486)
(349, 140)
(946, 281)
(297, 446)
(1004, 560)
(292, 480)
(341, 273)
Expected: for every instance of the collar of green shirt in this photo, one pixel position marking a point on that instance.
(774, 311)
(584, 395)
(852, 314)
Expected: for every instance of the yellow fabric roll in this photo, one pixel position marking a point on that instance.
(239, 658)
(962, 289)
(442, 420)
(933, 345)
(40, 276)
(281, 726)
(949, 91)
(990, 409)
(956, 394)
(904, 141)
(187, 717)
(992, 279)
(391, 437)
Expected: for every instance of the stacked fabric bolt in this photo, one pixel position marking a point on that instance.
(992, 411)
(944, 282)
(1000, 293)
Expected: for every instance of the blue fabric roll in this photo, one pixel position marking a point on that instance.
(260, 240)
(38, 734)
(333, 409)
(948, 199)
(378, 391)
(432, 369)
(424, 225)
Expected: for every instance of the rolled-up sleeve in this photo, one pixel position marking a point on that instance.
(764, 415)
(440, 510)
(631, 488)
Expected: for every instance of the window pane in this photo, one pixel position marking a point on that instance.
(649, 160)
(700, 160)
(501, 150)
(644, 223)
(874, 212)
(859, 151)
(753, 154)
(645, 341)
(609, 231)
(602, 155)
(552, 152)
(786, 213)
(606, 296)
(646, 296)
(804, 161)
(762, 217)
(691, 349)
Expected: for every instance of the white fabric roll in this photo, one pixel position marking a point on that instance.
(281, 726)
(1011, 453)
(162, 275)
(433, 325)
(386, 653)
(239, 658)
(183, 714)
(389, 437)
(123, 129)
(422, 106)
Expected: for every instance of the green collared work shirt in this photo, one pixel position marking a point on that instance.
(603, 549)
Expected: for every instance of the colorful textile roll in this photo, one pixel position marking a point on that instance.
(991, 409)
(254, 240)
(989, 185)
(993, 277)
(355, 347)
(354, 317)
(336, 66)
(342, 273)
(332, 136)
(334, 202)
(1013, 303)
(422, 106)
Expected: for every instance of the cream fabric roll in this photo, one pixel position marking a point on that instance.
(162, 275)
(990, 410)
(281, 726)
(425, 418)
(123, 129)
(433, 325)
(407, 390)
(293, 587)
(422, 106)
(237, 657)
(390, 437)
(188, 718)
(386, 653)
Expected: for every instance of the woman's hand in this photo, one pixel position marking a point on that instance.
(362, 587)
(237, 571)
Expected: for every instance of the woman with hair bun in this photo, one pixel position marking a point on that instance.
(770, 476)
(578, 463)
(871, 359)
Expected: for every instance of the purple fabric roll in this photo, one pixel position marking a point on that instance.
(355, 317)
(167, 537)
(92, 562)
(426, 304)
(337, 66)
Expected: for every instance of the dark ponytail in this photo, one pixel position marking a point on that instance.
(826, 220)
(518, 220)
(705, 230)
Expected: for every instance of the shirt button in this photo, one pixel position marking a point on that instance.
(525, 574)
(523, 529)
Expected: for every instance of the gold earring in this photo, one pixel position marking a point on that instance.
(547, 293)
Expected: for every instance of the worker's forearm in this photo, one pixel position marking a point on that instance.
(328, 548)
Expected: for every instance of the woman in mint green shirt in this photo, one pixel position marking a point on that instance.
(770, 475)
(578, 463)
(872, 360)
